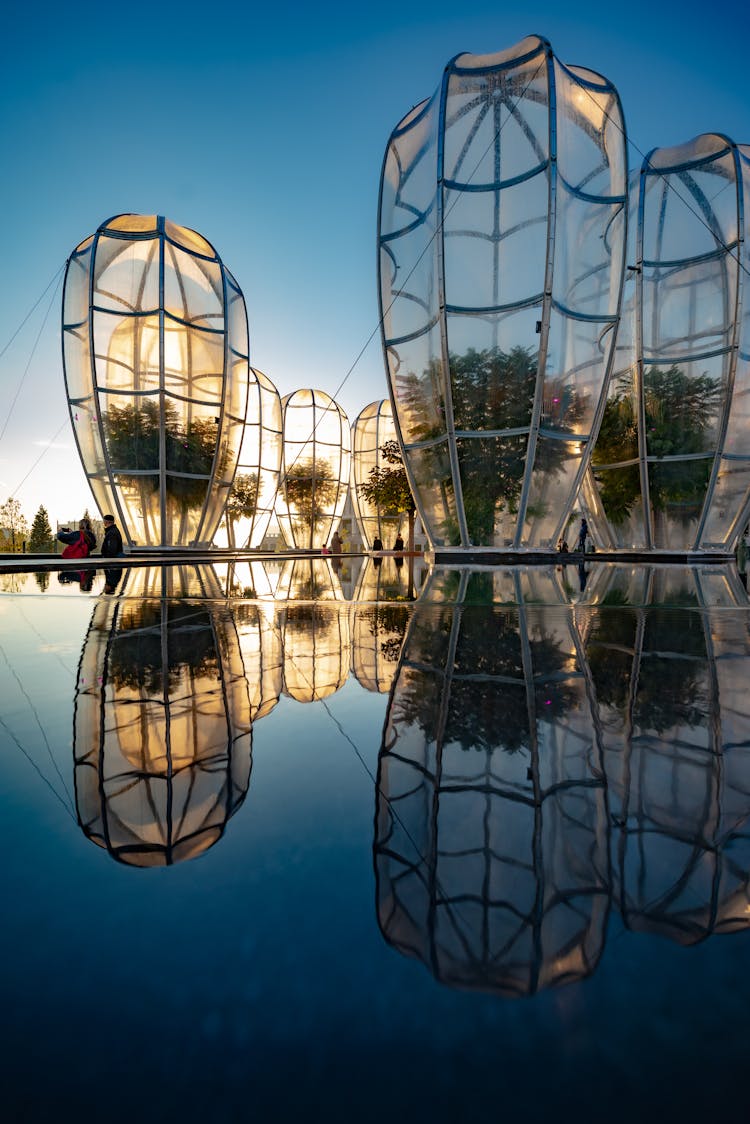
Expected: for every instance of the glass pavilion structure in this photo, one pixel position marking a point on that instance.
(502, 234)
(671, 466)
(316, 464)
(372, 429)
(491, 852)
(162, 739)
(155, 351)
(252, 498)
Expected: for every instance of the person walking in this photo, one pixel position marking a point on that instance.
(583, 535)
(112, 541)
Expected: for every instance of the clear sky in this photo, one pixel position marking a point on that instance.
(263, 127)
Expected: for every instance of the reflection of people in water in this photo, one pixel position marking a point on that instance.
(112, 578)
(85, 578)
(582, 576)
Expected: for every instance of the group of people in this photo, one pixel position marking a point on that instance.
(583, 534)
(377, 544)
(397, 546)
(80, 543)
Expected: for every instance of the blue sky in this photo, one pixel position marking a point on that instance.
(265, 130)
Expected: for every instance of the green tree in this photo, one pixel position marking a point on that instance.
(243, 500)
(13, 523)
(310, 491)
(41, 539)
(388, 487)
(680, 410)
(132, 436)
(492, 391)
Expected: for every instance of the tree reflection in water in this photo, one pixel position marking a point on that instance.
(162, 728)
(538, 762)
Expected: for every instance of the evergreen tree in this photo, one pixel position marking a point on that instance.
(41, 540)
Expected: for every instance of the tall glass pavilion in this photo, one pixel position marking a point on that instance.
(155, 350)
(671, 466)
(372, 429)
(252, 497)
(502, 234)
(315, 469)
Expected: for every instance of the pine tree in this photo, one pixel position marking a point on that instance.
(41, 540)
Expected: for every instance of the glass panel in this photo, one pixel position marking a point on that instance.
(127, 352)
(193, 289)
(132, 224)
(77, 359)
(683, 404)
(416, 379)
(236, 320)
(493, 389)
(190, 239)
(139, 497)
(126, 275)
(555, 466)
(430, 469)
(687, 212)
(495, 244)
(131, 430)
(730, 495)
(496, 123)
(688, 310)
(76, 292)
(492, 470)
(193, 362)
(590, 132)
(677, 490)
(620, 493)
(576, 366)
(589, 251)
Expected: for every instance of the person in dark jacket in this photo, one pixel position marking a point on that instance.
(112, 541)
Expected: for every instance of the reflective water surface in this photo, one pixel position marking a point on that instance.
(420, 842)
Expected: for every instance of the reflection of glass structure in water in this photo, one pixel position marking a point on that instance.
(491, 828)
(315, 468)
(262, 655)
(371, 430)
(253, 494)
(162, 739)
(379, 620)
(670, 685)
(671, 461)
(314, 626)
(537, 762)
(155, 347)
(502, 235)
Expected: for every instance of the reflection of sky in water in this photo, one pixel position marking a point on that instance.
(563, 803)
